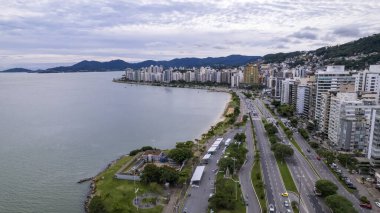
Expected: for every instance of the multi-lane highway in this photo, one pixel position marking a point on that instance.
(301, 171)
(324, 171)
(274, 185)
(301, 168)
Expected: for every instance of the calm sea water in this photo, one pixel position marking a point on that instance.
(56, 129)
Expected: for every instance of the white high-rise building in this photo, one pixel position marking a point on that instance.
(369, 80)
(374, 139)
(286, 91)
(303, 99)
(338, 105)
(330, 79)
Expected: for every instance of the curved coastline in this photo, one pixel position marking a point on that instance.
(219, 118)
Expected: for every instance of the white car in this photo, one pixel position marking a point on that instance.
(377, 204)
(286, 203)
(271, 208)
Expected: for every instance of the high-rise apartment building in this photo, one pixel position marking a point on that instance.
(330, 79)
(374, 139)
(251, 74)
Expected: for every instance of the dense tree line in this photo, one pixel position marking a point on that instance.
(143, 149)
(164, 174)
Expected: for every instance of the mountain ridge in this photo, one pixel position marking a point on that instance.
(118, 64)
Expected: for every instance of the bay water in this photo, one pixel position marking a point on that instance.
(58, 128)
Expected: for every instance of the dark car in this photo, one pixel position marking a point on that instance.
(366, 205)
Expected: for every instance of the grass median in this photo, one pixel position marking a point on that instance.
(286, 176)
(258, 184)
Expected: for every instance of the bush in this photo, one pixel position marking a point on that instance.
(314, 145)
(364, 199)
(180, 154)
(304, 133)
(134, 152)
(326, 187)
(339, 204)
(97, 205)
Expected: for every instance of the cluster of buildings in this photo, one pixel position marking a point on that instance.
(343, 105)
(234, 77)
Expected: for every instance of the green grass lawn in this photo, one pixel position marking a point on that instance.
(286, 176)
(117, 195)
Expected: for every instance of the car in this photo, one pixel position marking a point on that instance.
(271, 208)
(351, 186)
(366, 205)
(308, 150)
(211, 194)
(377, 204)
(286, 203)
(318, 158)
(285, 194)
(288, 211)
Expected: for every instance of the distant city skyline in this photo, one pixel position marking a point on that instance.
(42, 34)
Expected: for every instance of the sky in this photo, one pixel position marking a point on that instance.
(46, 33)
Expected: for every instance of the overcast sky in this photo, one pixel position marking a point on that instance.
(45, 33)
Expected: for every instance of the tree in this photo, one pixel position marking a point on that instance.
(150, 174)
(187, 144)
(339, 204)
(145, 148)
(326, 187)
(285, 110)
(270, 128)
(282, 151)
(225, 195)
(347, 160)
(303, 133)
(364, 199)
(168, 175)
(328, 155)
(314, 145)
(245, 118)
(272, 139)
(153, 173)
(240, 137)
(97, 205)
(276, 103)
(294, 122)
(225, 163)
(180, 154)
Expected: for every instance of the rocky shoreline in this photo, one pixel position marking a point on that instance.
(92, 191)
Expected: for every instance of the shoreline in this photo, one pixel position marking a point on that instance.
(220, 118)
(185, 86)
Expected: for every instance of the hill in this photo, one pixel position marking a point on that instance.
(217, 62)
(357, 54)
(17, 70)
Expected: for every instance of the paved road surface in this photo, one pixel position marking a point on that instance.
(245, 171)
(271, 174)
(302, 173)
(324, 172)
(197, 197)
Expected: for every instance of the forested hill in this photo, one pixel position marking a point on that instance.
(356, 54)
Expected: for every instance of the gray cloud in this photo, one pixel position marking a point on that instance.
(54, 31)
(347, 31)
(304, 35)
